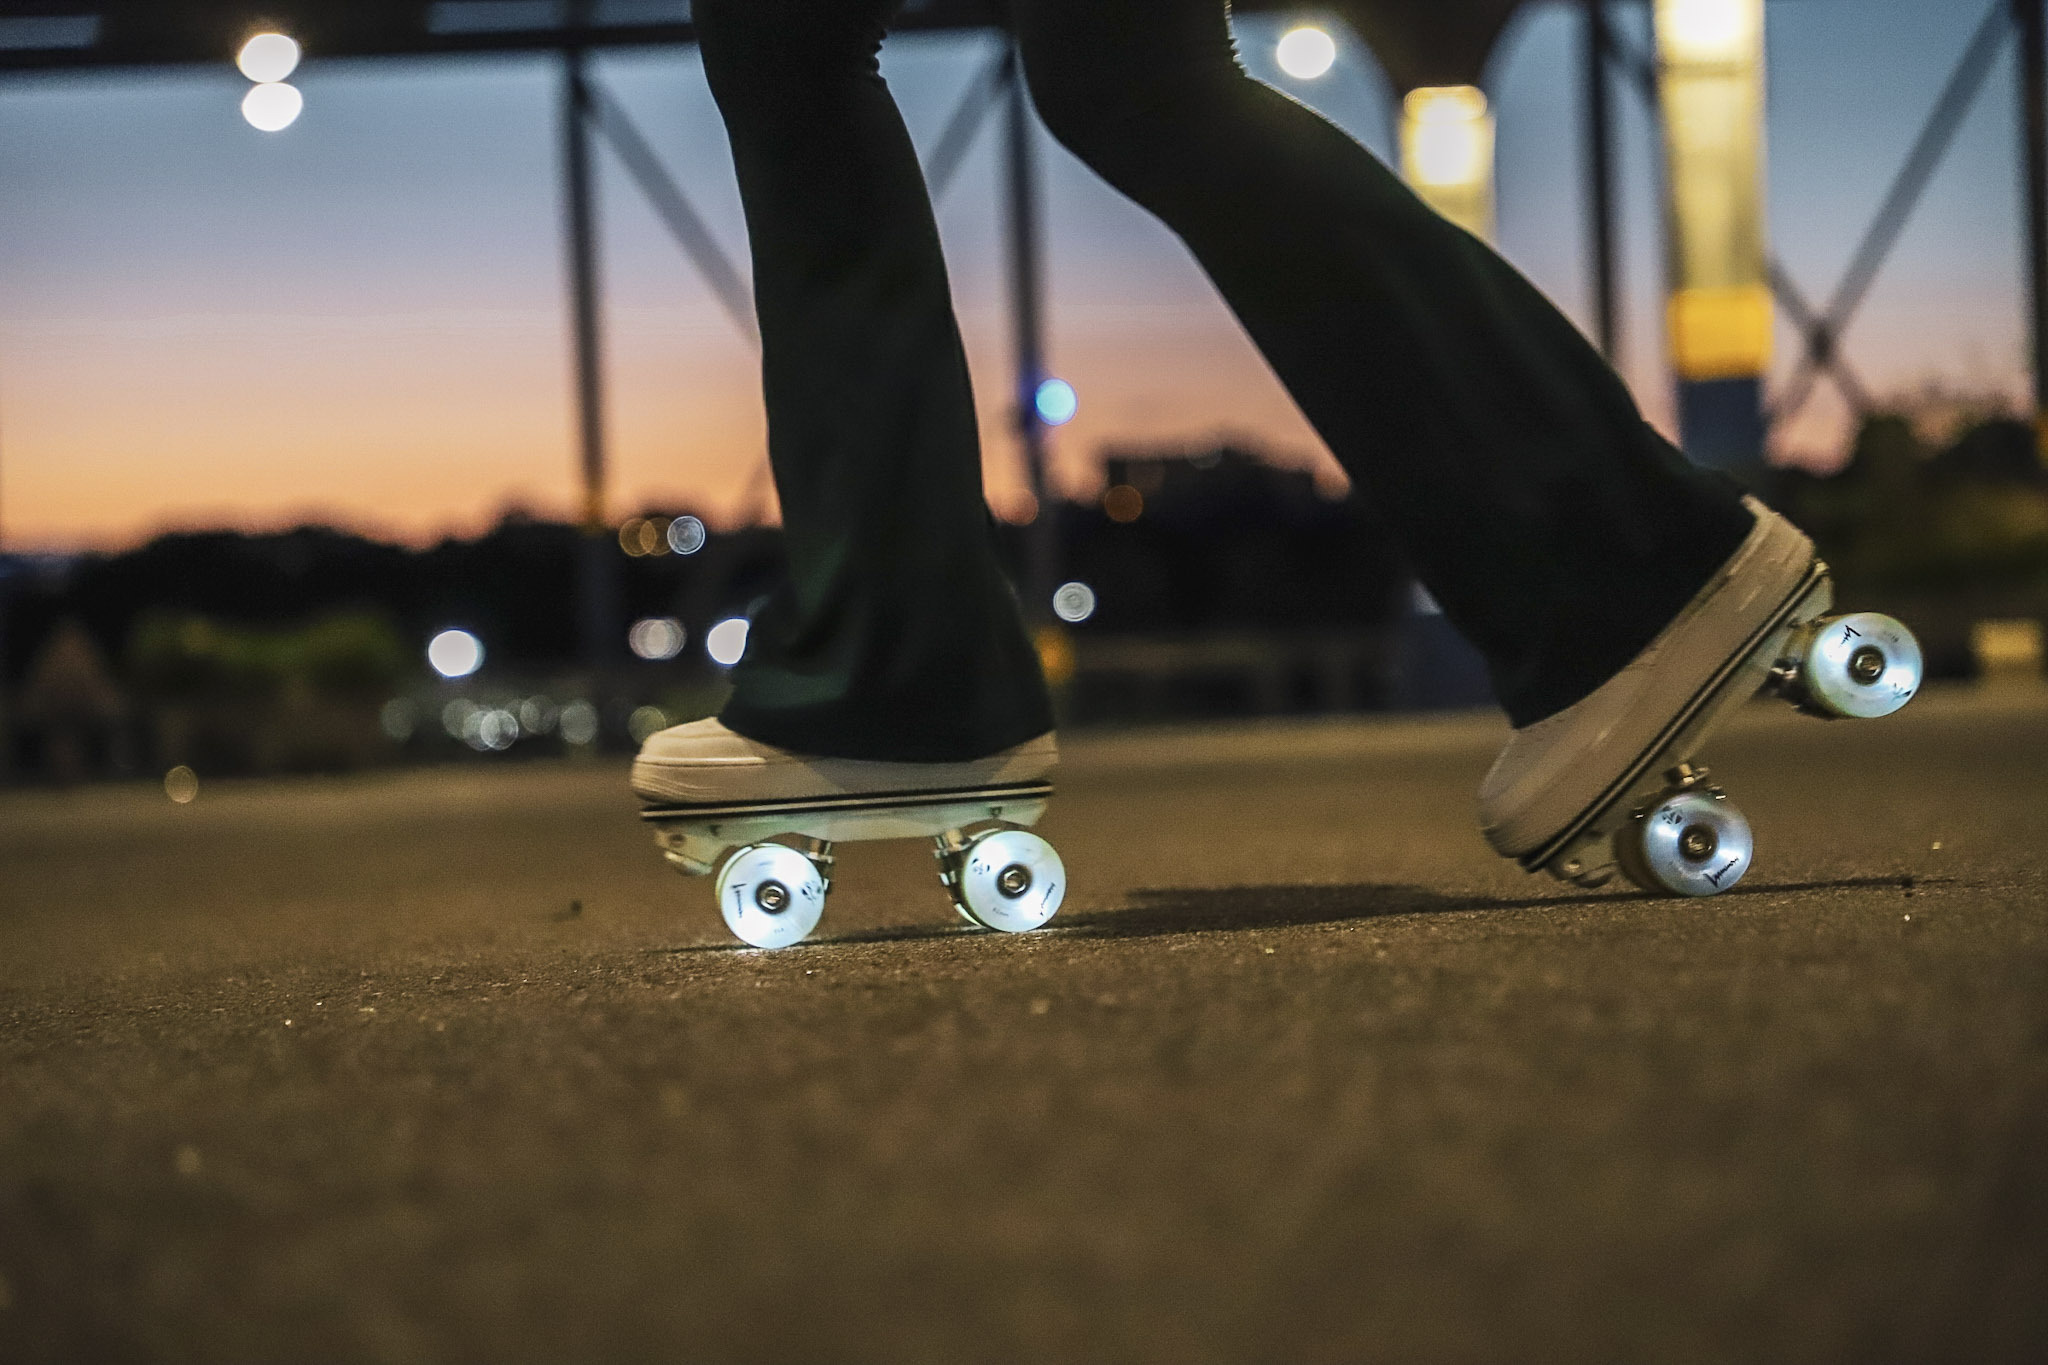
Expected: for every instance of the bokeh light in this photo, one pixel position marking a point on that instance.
(399, 719)
(640, 536)
(727, 641)
(644, 721)
(1306, 53)
(181, 784)
(1074, 602)
(455, 653)
(455, 715)
(578, 723)
(656, 637)
(686, 535)
(1057, 402)
(537, 715)
(1123, 503)
(1020, 508)
(490, 729)
(268, 57)
(272, 108)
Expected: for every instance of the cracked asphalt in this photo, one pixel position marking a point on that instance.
(447, 1066)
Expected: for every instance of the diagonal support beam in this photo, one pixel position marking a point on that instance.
(1823, 334)
(684, 223)
(976, 103)
(1821, 329)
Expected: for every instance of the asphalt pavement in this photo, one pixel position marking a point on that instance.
(447, 1066)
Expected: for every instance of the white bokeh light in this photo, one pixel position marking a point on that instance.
(1074, 603)
(272, 108)
(455, 653)
(268, 57)
(656, 637)
(686, 535)
(1306, 53)
(727, 641)
(578, 723)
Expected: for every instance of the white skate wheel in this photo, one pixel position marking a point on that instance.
(1692, 843)
(1010, 879)
(1863, 665)
(771, 895)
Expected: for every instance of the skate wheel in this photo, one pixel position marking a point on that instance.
(1691, 843)
(771, 895)
(1009, 879)
(1863, 665)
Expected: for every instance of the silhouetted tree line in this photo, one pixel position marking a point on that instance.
(1223, 541)
(1907, 515)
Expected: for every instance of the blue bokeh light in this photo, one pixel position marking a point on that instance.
(1057, 402)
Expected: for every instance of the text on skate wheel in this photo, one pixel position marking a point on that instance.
(1690, 843)
(1010, 879)
(1863, 665)
(771, 895)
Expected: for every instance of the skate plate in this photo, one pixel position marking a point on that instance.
(695, 836)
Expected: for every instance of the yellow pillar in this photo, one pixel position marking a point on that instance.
(1711, 54)
(1447, 153)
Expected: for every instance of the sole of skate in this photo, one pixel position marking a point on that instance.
(1662, 823)
(772, 860)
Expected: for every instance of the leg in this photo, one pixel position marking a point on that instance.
(1557, 529)
(895, 636)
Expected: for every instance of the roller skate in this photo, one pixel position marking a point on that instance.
(1610, 784)
(762, 822)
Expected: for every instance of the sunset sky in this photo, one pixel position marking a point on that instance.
(360, 320)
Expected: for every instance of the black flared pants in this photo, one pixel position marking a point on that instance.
(1556, 528)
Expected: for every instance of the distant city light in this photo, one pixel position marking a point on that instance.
(455, 715)
(455, 653)
(399, 719)
(1057, 402)
(727, 641)
(643, 536)
(272, 108)
(578, 723)
(537, 715)
(644, 721)
(181, 784)
(1123, 503)
(1074, 603)
(1021, 508)
(686, 535)
(657, 637)
(268, 57)
(1306, 52)
(490, 729)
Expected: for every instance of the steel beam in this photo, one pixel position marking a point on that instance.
(1027, 304)
(595, 587)
(2033, 89)
(673, 207)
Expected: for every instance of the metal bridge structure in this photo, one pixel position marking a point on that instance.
(1426, 47)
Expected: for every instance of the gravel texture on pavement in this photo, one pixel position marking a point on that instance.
(447, 1066)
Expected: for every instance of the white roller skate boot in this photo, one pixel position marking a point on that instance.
(764, 821)
(1608, 782)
